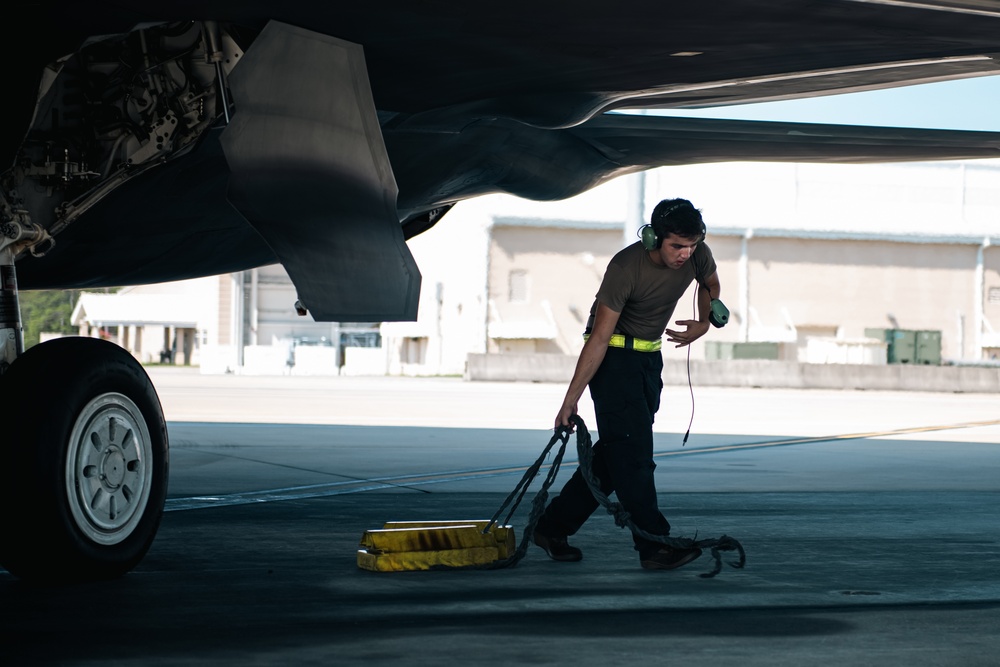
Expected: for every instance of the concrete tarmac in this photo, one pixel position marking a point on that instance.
(869, 521)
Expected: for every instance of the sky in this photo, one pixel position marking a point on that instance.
(967, 104)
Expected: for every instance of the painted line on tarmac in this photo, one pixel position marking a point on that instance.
(402, 482)
(826, 438)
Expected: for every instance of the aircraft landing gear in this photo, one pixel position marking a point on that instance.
(84, 467)
(83, 459)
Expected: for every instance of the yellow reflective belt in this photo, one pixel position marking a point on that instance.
(629, 343)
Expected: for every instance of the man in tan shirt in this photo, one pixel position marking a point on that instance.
(622, 364)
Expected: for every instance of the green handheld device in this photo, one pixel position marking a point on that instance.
(719, 314)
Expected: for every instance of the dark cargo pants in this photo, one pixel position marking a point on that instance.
(626, 394)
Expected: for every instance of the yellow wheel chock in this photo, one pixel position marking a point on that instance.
(432, 545)
(427, 545)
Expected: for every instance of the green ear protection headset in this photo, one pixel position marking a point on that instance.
(650, 240)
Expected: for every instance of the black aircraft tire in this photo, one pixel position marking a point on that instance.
(83, 462)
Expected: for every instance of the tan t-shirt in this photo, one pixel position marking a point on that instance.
(646, 293)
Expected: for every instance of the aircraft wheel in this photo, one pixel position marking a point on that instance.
(83, 462)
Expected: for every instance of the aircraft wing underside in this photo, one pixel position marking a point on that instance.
(193, 148)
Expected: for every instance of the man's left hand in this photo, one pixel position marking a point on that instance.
(693, 330)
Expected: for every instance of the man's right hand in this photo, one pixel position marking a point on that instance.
(562, 419)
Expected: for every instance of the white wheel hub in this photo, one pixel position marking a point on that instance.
(109, 468)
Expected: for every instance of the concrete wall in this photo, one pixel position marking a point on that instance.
(753, 373)
(853, 285)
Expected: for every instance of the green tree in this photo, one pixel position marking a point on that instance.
(46, 311)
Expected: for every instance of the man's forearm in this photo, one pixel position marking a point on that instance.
(704, 303)
(591, 357)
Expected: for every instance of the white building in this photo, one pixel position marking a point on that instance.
(156, 323)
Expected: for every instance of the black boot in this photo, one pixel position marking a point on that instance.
(558, 548)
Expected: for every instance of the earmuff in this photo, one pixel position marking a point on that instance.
(649, 238)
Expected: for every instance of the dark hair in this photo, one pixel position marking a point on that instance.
(679, 217)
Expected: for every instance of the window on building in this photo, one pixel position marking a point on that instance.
(994, 295)
(361, 339)
(414, 351)
(518, 286)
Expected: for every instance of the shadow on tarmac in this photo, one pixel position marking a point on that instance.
(863, 552)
